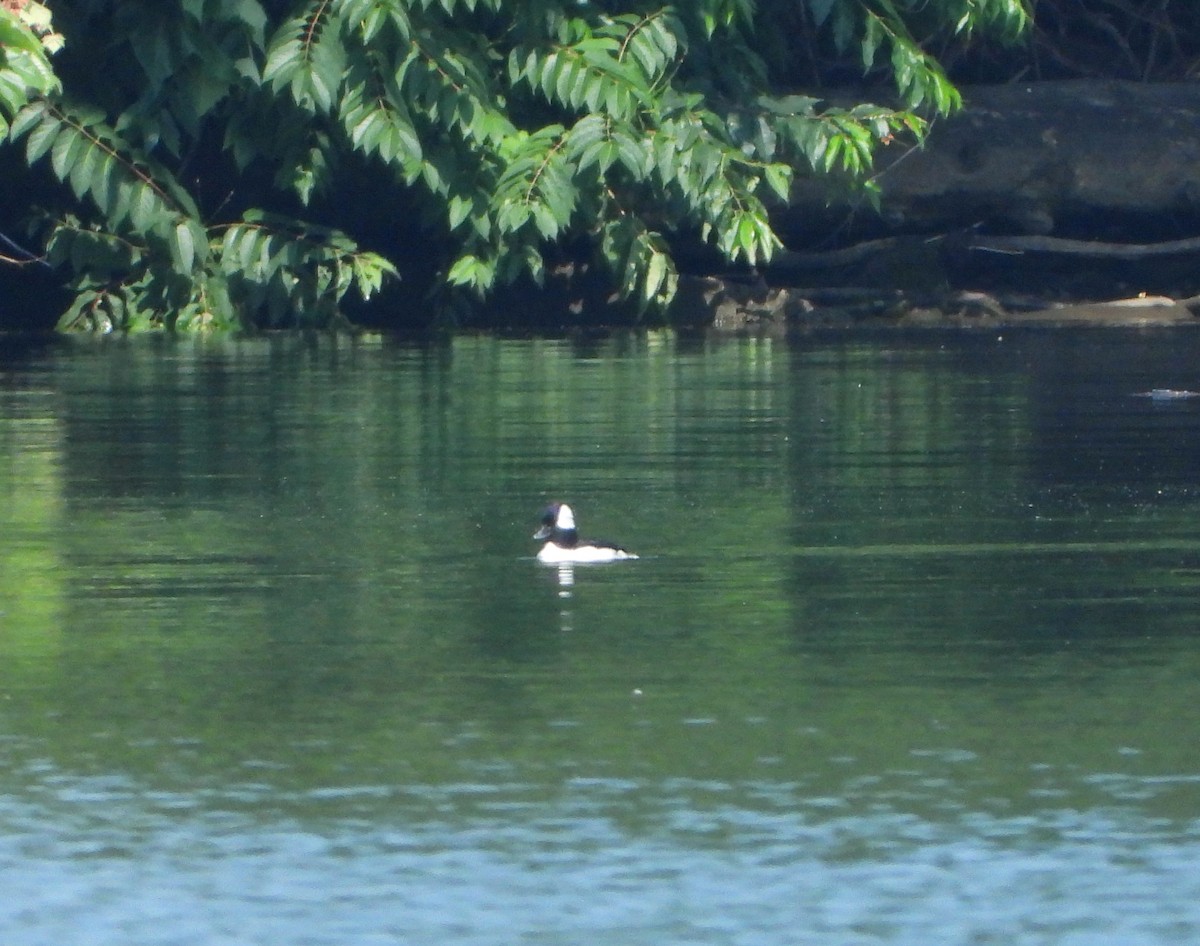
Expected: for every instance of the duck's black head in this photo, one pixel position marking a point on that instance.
(558, 525)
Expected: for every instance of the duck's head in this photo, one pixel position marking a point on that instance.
(558, 525)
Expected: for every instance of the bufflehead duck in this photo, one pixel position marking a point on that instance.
(563, 543)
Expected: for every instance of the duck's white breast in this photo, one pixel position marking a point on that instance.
(554, 554)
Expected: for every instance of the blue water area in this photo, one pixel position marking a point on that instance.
(910, 653)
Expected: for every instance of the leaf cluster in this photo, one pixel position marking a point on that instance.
(26, 43)
(511, 125)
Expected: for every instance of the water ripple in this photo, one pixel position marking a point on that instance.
(150, 871)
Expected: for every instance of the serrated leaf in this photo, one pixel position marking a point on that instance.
(633, 156)
(26, 119)
(565, 82)
(83, 175)
(144, 207)
(41, 139)
(283, 61)
(65, 152)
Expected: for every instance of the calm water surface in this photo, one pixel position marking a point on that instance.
(911, 656)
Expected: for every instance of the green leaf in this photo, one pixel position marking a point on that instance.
(819, 10)
(41, 138)
(779, 179)
(460, 209)
(464, 271)
(656, 274)
(183, 248)
(67, 147)
(84, 174)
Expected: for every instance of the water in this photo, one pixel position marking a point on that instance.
(912, 653)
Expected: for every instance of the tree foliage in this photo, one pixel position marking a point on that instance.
(497, 129)
(26, 43)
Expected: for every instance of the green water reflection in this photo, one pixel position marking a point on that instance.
(944, 578)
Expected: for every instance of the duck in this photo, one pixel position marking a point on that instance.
(563, 544)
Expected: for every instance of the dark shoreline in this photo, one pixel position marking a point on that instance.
(737, 307)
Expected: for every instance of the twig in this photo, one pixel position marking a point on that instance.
(1065, 247)
(26, 256)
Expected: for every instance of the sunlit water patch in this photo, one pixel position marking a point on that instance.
(601, 861)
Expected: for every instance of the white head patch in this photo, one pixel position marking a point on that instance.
(565, 518)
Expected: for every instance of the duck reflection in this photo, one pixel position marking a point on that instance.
(566, 579)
